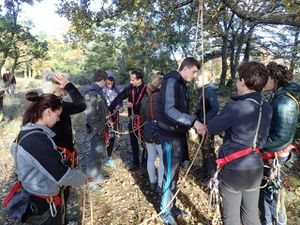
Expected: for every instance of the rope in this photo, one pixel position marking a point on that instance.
(179, 185)
(83, 204)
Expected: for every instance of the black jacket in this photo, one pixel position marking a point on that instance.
(173, 106)
(63, 128)
(149, 116)
(134, 95)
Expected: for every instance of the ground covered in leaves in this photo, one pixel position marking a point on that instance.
(125, 197)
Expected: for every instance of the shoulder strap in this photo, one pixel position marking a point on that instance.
(26, 135)
(19, 141)
(294, 98)
(258, 122)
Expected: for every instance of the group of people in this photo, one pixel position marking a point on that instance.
(159, 121)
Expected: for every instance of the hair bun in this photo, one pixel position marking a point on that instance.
(33, 96)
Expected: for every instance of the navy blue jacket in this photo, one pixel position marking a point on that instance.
(211, 102)
(173, 107)
(239, 120)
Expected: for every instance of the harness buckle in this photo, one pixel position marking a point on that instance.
(52, 206)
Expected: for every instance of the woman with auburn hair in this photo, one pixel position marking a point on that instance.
(39, 165)
(279, 144)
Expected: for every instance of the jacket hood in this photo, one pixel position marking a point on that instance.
(110, 74)
(32, 126)
(292, 87)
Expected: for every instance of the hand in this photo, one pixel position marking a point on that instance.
(61, 80)
(129, 104)
(200, 128)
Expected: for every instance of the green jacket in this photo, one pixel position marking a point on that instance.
(285, 118)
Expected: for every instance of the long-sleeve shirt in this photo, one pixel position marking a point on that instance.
(63, 128)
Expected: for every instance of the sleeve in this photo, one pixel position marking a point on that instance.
(48, 159)
(211, 96)
(77, 105)
(120, 97)
(223, 120)
(170, 109)
(284, 121)
(143, 109)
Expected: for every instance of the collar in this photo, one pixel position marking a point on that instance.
(32, 126)
(255, 95)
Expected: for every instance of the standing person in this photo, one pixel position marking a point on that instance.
(96, 114)
(174, 122)
(150, 133)
(211, 105)
(40, 170)
(245, 121)
(110, 92)
(279, 145)
(134, 93)
(61, 86)
(9, 83)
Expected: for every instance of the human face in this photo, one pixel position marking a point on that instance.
(271, 84)
(239, 86)
(189, 73)
(134, 81)
(52, 117)
(102, 83)
(109, 84)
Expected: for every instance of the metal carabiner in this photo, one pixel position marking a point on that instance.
(52, 206)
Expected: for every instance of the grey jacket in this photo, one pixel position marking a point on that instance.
(39, 165)
(96, 111)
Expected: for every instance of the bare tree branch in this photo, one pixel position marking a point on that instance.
(264, 18)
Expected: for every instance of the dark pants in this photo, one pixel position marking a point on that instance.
(269, 195)
(134, 141)
(110, 146)
(268, 208)
(208, 156)
(173, 149)
(38, 213)
(239, 205)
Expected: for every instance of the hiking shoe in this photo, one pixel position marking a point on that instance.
(167, 219)
(177, 212)
(110, 162)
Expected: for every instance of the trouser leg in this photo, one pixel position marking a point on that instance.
(95, 158)
(160, 165)
(151, 162)
(230, 206)
(134, 145)
(249, 209)
(172, 156)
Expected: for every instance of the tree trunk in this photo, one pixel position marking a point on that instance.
(224, 61)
